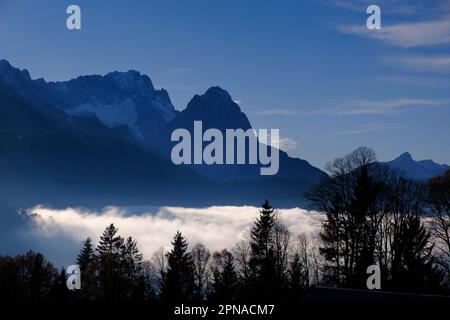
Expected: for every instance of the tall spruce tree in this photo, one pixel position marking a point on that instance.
(111, 278)
(225, 282)
(88, 262)
(60, 292)
(86, 256)
(363, 225)
(179, 282)
(414, 267)
(297, 276)
(332, 241)
(132, 260)
(262, 262)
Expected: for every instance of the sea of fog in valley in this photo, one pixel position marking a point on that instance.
(59, 233)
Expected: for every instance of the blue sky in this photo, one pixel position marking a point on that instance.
(310, 68)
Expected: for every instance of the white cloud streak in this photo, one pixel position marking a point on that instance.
(406, 35)
(287, 144)
(361, 106)
(422, 63)
(392, 7)
(415, 81)
(369, 128)
(290, 112)
(181, 70)
(354, 107)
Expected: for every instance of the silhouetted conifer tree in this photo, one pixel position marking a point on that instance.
(225, 282)
(132, 270)
(112, 281)
(87, 255)
(89, 265)
(179, 283)
(414, 267)
(262, 262)
(296, 276)
(60, 292)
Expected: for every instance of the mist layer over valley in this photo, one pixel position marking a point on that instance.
(59, 233)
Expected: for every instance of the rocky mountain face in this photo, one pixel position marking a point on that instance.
(112, 132)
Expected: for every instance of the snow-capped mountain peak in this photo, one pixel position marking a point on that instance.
(132, 81)
(117, 99)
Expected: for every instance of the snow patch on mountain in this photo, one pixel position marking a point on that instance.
(112, 115)
(161, 102)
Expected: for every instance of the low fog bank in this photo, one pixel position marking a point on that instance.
(59, 233)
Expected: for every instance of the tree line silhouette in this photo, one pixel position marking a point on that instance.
(371, 215)
(375, 215)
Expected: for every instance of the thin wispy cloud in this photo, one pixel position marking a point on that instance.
(369, 128)
(415, 81)
(290, 112)
(364, 107)
(277, 112)
(392, 7)
(361, 106)
(406, 35)
(422, 63)
(355, 106)
(181, 70)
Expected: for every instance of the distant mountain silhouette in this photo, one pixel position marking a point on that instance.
(216, 109)
(109, 136)
(420, 170)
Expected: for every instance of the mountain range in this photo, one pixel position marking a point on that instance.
(419, 170)
(98, 140)
(102, 139)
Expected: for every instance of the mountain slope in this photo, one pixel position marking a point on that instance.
(48, 158)
(116, 99)
(216, 109)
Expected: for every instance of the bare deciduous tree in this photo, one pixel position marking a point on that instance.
(200, 257)
(242, 253)
(439, 204)
(158, 264)
(282, 243)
